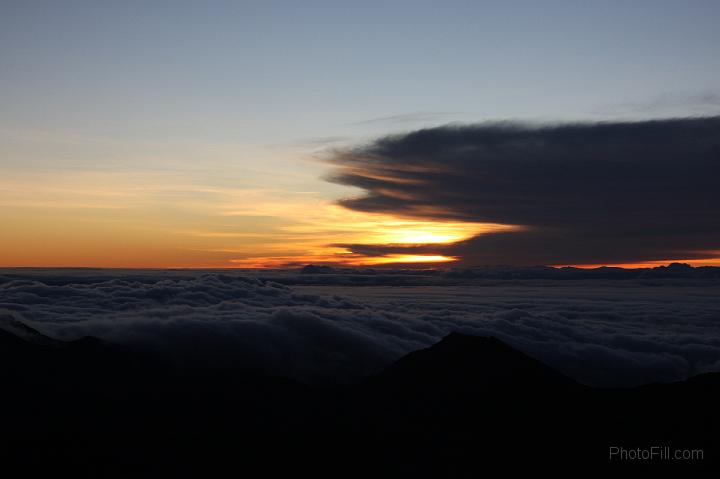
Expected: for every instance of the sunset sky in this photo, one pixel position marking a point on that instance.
(281, 133)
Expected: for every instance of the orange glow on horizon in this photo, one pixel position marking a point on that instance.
(712, 259)
(648, 264)
(318, 237)
(124, 220)
(341, 260)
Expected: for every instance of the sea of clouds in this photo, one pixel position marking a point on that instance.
(607, 333)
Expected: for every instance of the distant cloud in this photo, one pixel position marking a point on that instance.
(314, 142)
(583, 193)
(669, 103)
(405, 118)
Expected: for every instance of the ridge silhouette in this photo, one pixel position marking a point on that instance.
(88, 408)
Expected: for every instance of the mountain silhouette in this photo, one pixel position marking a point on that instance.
(467, 404)
(471, 363)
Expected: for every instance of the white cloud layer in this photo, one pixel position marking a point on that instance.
(600, 332)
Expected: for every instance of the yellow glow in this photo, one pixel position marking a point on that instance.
(390, 231)
(343, 259)
(159, 220)
(409, 258)
(423, 237)
(372, 228)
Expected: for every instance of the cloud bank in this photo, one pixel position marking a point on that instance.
(579, 193)
(606, 333)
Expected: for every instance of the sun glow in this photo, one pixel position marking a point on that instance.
(409, 232)
(340, 259)
(337, 226)
(132, 220)
(409, 258)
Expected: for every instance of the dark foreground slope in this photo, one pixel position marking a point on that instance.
(91, 409)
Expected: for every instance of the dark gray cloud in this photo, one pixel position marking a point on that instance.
(582, 193)
(605, 333)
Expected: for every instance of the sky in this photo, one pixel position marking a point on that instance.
(217, 133)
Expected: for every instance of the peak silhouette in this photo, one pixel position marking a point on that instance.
(89, 408)
(473, 365)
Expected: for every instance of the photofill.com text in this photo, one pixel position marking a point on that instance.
(654, 453)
